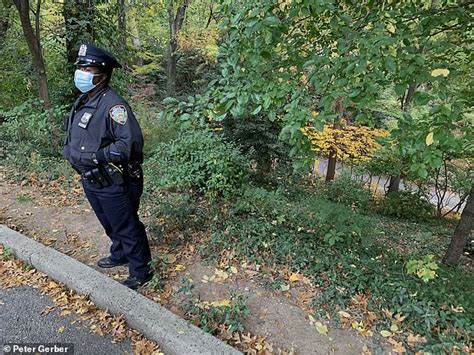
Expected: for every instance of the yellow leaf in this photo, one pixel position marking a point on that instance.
(368, 333)
(180, 267)
(440, 72)
(391, 28)
(394, 328)
(321, 328)
(65, 312)
(221, 274)
(233, 269)
(294, 278)
(385, 333)
(429, 139)
(222, 303)
(399, 318)
(61, 329)
(344, 314)
(457, 309)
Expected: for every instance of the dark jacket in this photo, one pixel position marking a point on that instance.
(105, 126)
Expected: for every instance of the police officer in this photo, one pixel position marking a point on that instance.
(104, 144)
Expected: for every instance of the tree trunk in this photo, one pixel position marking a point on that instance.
(171, 68)
(462, 232)
(332, 160)
(79, 19)
(122, 25)
(405, 102)
(136, 44)
(394, 184)
(175, 24)
(4, 22)
(33, 41)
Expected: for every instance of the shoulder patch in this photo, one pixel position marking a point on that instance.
(119, 114)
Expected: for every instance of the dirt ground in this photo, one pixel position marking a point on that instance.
(280, 318)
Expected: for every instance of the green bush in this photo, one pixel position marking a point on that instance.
(198, 160)
(348, 192)
(31, 125)
(258, 137)
(273, 227)
(26, 139)
(405, 204)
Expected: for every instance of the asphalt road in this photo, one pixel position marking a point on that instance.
(21, 322)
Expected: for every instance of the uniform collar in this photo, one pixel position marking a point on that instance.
(94, 100)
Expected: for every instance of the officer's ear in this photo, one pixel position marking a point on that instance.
(100, 78)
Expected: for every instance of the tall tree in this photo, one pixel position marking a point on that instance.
(405, 102)
(4, 20)
(79, 26)
(332, 160)
(32, 37)
(122, 24)
(175, 20)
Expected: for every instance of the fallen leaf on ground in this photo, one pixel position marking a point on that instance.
(321, 328)
(344, 314)
(180, 267)
(221, 303)
(414, 339)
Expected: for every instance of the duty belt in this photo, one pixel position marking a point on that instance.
(104, 175)
(107, 174)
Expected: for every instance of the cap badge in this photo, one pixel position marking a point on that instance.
(82, 50)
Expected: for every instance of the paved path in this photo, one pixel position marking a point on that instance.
(451, 200)
(21, 321)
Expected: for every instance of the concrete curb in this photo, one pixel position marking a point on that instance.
(173, 334)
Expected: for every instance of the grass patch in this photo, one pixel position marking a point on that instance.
(24, 198)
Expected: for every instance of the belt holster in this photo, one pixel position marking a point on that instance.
(97, 177)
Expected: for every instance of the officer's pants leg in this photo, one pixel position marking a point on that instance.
(120, 206)
(116, 250)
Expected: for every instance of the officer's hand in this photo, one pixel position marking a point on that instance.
(94, 159)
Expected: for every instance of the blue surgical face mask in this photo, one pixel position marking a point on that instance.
(84, 80)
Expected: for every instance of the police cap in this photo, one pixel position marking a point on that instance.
(91, 56)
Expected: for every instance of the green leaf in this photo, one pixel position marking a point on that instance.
(272, 21)
(257, 110)
(169, 100)
(400, 89)
(421, 98)
(390, 64)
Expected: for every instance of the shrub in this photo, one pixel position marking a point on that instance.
(405, 204)
(26, 139)
(198, 160)
(271, 227)
(349, 192)
(31, 125)
(258, 137)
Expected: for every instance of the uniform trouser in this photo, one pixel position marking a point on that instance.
(116, 207)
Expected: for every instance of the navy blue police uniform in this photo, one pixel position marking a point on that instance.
(104, 144)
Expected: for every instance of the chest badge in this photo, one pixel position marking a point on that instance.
(84, 121)
(119, 114)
